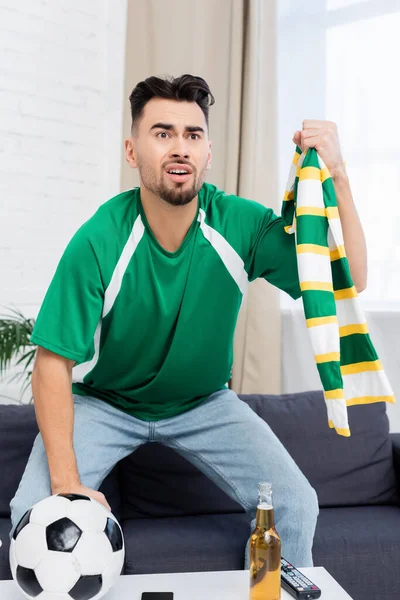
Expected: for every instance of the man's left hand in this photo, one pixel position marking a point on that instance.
(324, 137)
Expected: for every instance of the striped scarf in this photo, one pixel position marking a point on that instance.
(348, 365)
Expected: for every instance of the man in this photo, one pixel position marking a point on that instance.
(136, 330)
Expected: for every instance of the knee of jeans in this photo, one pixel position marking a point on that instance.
(17, 509)
(305, 503)
(13, 510)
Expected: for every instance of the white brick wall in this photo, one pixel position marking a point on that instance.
(61, 96)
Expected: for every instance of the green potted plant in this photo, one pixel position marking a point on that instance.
(15, 333)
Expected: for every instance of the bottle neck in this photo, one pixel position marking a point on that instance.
(265, 518)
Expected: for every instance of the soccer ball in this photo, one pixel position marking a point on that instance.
(67, 546)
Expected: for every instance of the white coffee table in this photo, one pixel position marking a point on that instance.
(213, 585)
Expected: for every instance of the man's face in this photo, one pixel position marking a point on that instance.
(170, 135)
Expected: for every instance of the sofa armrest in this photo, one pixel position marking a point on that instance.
(395, 437)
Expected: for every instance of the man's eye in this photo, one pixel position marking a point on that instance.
(165, 133)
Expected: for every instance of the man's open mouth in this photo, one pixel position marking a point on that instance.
(180, 175)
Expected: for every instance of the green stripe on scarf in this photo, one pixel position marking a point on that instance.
(356, 348)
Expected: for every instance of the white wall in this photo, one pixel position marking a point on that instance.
(61, 96)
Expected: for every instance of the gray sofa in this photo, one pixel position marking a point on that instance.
(175, 519)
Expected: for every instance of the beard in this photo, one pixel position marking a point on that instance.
(174, 193)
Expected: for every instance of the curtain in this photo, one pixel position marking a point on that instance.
(231, 44)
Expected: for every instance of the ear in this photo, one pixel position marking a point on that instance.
(130, 153)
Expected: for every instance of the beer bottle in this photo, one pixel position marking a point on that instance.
(265, 550)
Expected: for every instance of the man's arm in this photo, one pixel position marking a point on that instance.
(353, 234)
(54, 408)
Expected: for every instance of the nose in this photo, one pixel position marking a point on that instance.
(180, 148)
(180, 155)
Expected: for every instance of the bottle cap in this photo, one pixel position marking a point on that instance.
(264, 487)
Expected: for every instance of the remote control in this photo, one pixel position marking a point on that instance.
(297, 584)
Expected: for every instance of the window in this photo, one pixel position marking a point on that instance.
(337, 61)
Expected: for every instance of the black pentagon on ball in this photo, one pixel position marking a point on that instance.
(28, 581)
(73, 497)
(86, 587)
(62, 535)
(22, 523)
(114, 534)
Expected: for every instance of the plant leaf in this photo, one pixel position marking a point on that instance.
(15, 334)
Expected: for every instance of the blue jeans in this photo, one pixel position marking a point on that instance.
(223, 437)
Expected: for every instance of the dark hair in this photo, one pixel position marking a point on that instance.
(187, 88)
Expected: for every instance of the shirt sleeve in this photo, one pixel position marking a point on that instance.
(73, 303)
(273, 255)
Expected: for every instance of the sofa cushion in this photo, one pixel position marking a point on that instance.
(186, 544)
(360, 547)
(18, 429)
(156, 481)
(5, 527)
(357, 470)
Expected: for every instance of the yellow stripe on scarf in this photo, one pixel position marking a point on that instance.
(371, 365)
(313, 248)
(323, 286)
(338, 253)
(288, 196)
(346, 293)
(334, 394)
(315, 321)
(355, 328)
(345, 431)
(328, 357)
(308, 173)
(310, 210)
(370, 400)
(332, 212)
